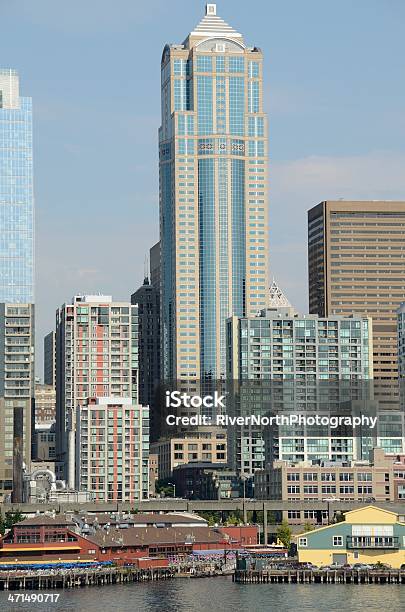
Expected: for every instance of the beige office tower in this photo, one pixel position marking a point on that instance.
(213, 195)
(356, 259)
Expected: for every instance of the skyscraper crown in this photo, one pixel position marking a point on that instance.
(213, 26)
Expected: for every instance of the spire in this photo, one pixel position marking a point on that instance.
(213, 26)
(277, 297)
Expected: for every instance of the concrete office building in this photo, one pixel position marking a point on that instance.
(96, 356)
(44, 442)
(112, 449)
(50, 359)
(347, 481)
(299, 353)
(45, 403)
(17, 384)
(213, 195)
(356, 261)
(208, 446)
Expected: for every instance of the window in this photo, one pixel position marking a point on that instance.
(338, 540)
(302, 542)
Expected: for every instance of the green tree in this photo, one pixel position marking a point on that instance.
(232, 520)
(308, 527)
(213, 518)
(284, 533)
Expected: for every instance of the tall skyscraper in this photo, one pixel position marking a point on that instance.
(16, 284)
(213, 195)
(147, 299)
(49, 358)
(356, 259)
(96, 356)
(154, 265)
(16, 193)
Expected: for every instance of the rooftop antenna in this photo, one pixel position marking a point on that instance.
(146, 270)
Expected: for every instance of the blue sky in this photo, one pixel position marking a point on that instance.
(335, 94)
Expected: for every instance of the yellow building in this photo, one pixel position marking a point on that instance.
(368, 535)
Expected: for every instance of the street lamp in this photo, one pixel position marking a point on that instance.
(174, 488)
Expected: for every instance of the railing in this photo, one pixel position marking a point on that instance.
(372, 542)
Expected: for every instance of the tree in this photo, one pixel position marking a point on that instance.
(232, 520)
(10, 519)
(284, 533)
(308, 527)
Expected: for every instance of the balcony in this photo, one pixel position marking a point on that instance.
(390, 542)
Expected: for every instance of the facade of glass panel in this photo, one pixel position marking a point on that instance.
(306, 360)
(16, 193)
(213, 195)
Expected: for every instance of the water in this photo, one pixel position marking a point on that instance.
(211, 594)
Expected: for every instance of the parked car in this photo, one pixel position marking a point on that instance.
(331, 499)
(361, 566)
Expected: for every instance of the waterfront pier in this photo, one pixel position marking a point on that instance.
(306, 576)
(12, 581)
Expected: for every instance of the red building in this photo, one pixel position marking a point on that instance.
(241, 536)
(45, 538)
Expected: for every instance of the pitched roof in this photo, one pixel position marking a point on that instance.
(346, 514)
(212, 25)
(149, 518)
(146, 536)
(45, 519)
(277, 298)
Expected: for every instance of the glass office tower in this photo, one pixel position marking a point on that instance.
(213, 195)
(16, 193)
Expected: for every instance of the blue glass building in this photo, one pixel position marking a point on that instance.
(16, 193)
(213, 195)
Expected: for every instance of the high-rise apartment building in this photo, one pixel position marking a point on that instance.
(147, 299)
(17, 384)
(112, 449)
(356, 260)
(213, 195)
(50, 359)
(16, 193)
(96, 356)
(278, 362)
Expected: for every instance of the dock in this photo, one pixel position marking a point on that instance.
(305, 576)
(13, 581)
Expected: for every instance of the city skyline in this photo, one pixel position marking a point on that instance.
(313, 129)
